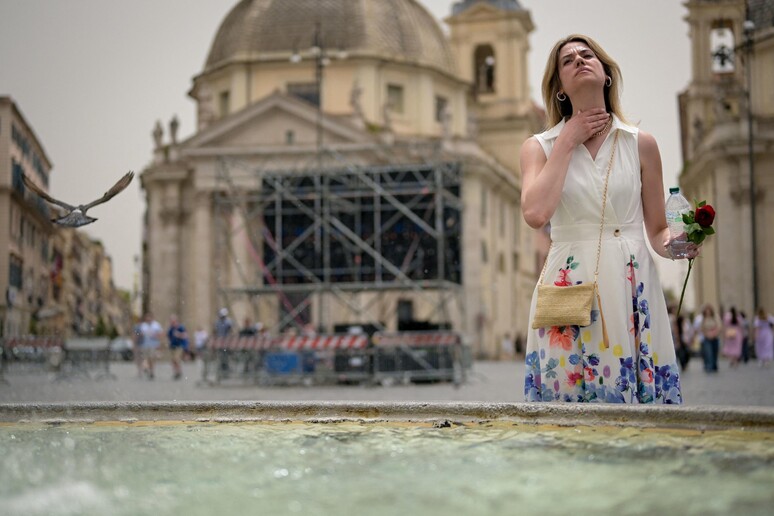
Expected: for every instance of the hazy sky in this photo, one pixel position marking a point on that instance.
(93, 76)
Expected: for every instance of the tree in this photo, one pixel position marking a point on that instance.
(101, 329)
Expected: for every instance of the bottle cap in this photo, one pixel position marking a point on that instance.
(674, 190)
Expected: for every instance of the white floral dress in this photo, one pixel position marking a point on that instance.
(573, 363)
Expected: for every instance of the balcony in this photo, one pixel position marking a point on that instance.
(38, 205)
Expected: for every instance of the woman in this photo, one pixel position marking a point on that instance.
(563, 174)
(764, 337)
(745, 336)
(683, 343)
(733, 335)
(710, 331)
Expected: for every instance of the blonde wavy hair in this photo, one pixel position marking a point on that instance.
(556, 109)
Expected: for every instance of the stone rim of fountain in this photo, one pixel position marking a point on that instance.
(652, 416)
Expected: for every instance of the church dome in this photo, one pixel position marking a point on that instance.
(397, 30)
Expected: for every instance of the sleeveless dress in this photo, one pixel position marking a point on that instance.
(637, 364)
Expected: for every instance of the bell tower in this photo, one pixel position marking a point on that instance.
(727, 147)
(489, 39)
(714, 96)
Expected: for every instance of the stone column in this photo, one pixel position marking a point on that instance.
(167, 282)
(203, 311)
(242, 260)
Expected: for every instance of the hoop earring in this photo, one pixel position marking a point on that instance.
(560, 96)
(608, 81)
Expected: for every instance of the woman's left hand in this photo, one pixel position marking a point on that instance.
(689, 249)
(693, 251)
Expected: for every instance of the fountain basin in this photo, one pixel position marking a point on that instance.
(383, 458)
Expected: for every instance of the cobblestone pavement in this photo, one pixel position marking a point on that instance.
(488, 381)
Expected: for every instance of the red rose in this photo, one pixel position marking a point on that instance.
(705, 215)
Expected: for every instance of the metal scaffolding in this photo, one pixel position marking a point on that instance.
(328, 227)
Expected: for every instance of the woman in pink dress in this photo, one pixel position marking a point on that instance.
(764, 337)
(733, 335)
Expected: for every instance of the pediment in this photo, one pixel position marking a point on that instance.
(277, 120)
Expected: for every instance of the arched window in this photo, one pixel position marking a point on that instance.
(722, 45)
(484, 69)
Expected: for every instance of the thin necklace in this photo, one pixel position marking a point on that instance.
(605, 128)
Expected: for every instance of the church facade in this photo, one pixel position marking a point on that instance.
(727, 128)
(352, 166)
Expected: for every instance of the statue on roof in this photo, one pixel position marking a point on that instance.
(173, 126)
(158, 135)
(356, 105)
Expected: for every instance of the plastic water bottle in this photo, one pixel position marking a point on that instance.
(676, 205)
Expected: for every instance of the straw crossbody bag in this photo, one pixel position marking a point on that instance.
(571, 306)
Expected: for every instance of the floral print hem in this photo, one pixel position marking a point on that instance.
(565, 370)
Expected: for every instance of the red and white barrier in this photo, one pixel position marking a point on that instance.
(33, 342)
(328, 342)
(237, 343)
(318, 342)
(433, 338)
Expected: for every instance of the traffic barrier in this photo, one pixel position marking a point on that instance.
(419, 356)
(325, 342)
(234, 357)
(30, 354)
(286, 359)
(318, 359)
(87, 357)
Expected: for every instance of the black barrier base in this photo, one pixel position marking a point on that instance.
(308, 367)
(415, 364)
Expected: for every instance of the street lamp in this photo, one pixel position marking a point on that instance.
(749, 27)
(320, 54)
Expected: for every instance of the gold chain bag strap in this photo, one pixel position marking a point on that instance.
(571, 306)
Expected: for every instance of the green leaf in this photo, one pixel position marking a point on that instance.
(701, 204)
(570, 259)
(694, 228)
(709, 231)
(688, 217)
(697, 238)
(574, 265)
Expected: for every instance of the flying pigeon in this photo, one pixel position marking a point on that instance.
(75, 216)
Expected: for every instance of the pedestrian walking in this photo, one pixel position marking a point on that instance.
(710, 330)
(151, 332)
(200, 340)
(683, 342)
(178, 345)
(764, 337)
(223, 325)
(137, 339)
(733, 337)
(690, 335)
(222, 329)
(506, 347)
(746, 334)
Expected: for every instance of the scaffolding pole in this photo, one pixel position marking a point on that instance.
(330, 228)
